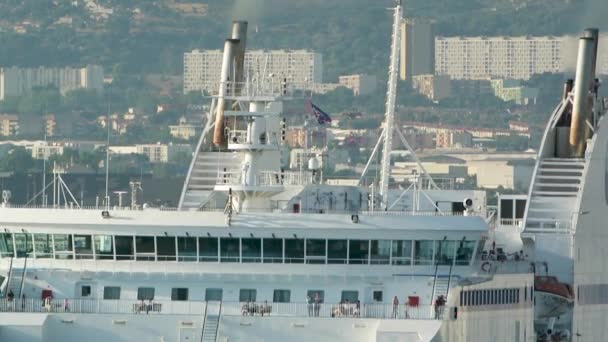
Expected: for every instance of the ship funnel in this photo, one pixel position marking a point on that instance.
(585, 76)
(226, 80)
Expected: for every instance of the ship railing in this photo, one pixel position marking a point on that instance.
(90, 207)
(334, 310)
(98, 306)
(266, 178)
(259, 87)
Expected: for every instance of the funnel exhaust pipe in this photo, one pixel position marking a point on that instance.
(239, 31)
(226, 78)
(582, 84)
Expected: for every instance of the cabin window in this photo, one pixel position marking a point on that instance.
(464, 253)
(165, 248)
(377, 296)
(281, 296)
(423, 252)
(103, 247)
(358, 251)
(111, 292)
(314, 294)
(294, 251)
(247, 295)
(273, 250)
(444, 253)
(83, 246)
(179, 294)
(208, 249)
(213, 295)
(186, 248)
(24, 245)
(337, 251)
(85, 291)
(315, 251)
(251, 249)
(520, 208)
(350, 296)
(144, 245)
(124, 247)
(402, 252)
(6, 245)
(229, 250)
(145, 293)
(43, 244)
(63, 246)
(380, 252)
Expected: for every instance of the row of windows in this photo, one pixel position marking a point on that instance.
(233, 249)
(494, 296)
(216, 294)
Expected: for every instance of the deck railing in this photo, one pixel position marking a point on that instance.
(163, 307)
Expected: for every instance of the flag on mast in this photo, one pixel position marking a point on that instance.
(318, 113)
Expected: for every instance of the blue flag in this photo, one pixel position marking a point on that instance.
(318, 113)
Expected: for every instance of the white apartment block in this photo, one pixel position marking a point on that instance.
(301, 68)
(478, 58)
(16, 81)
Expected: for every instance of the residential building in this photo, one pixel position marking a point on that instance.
(44, 150)
(453, 139)
(9, 125)
(301, 68)
(360, 84)
(477, 58)
(50, 125)
(306, 137)
(16, 81)
(161, 153)
(512, 90)
(434, 87)
(417, 48)
(186, 129)
(324, 88)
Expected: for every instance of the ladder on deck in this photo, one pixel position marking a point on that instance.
(441, 284)
(16, 279)
(212, 322)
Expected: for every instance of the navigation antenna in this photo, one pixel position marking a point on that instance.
(386, 137)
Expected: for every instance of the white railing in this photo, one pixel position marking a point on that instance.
(237, 137)
(266, 178)
(327, 310)
(98, 306)
(262, 87)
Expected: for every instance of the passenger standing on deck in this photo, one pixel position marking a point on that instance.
(66, 305)
(309, 301)
(317, 304)
(395, 306)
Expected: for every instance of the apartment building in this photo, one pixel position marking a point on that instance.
(301, 68)
(16, 81)
(434, 87)
(9, 125)
(360, 84)
(417, 48)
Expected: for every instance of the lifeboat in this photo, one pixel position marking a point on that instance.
(552, 298)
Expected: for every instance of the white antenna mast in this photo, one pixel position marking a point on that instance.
(108, 123)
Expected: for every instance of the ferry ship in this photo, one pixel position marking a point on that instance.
(257, 253)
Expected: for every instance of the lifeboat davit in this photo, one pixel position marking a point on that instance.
(552, 298)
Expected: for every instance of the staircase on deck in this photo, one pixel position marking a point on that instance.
(212, 322)
(16, 277)
(441, 283)
(204, 175)
(554, 194)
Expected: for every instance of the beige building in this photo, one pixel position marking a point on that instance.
(453, 139)
(434, 87)
(417, 48)
(360, 84)
(301, 68)
(16, 81)
(185, 129)
(513, 90)
(9, 125)
(477, 58)
(43, 150)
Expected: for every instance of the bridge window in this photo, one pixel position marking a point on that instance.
(165, 246)
(83, 246)
(145, 293)
(445, 252)
(402, 252)
(358, 251)
(124, 247)
(247, 295)
(144, 245)
(281, 296)
(6, 245)
(111, 292)
(24, 245)
(186, 248)
(380, 252)
(213, 295)
(103, 247)
(179, 294)
(229, 250)
(294, 251)
(423, 252)
(337, 251)
(63, 246)
(350, 296)
(464, 253)
(251, 249)
(315, 251)
(43, 244)
(273, 250)
(208, 249)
